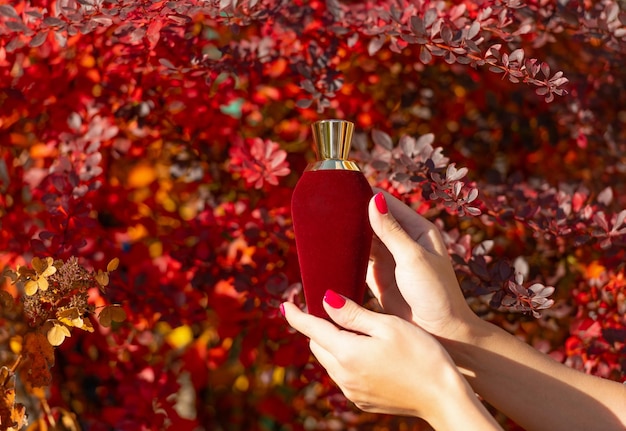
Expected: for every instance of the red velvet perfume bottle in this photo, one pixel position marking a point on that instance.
(330, 220)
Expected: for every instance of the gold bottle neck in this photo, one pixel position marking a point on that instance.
(332, 164)
(332, 140)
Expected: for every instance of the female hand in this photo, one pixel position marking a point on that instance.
(410, 271)
(412, 276)
(385, 364)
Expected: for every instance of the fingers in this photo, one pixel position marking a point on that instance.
(380, 275)
(351, 316)
(382, 283)
(389, 231)
(398, 226)
(326, 340)
(313, 327)
(345, 312)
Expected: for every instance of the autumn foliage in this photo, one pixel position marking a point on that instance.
(148, 151)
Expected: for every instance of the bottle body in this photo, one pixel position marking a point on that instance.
(333, 234)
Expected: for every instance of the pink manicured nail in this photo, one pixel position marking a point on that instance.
(381, 203)
(282, 309)
(334, 299)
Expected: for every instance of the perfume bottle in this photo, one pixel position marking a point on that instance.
(330, 219)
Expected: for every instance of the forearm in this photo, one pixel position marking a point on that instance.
(461, 410)
(533, 389)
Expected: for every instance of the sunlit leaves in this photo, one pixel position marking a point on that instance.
(111, 314)
(113, 264)
(532, 299)
(57, 334)
(56, 301)
(451, 35)
(415, 163)
(121, 144)
(455, 195)
(609, 230)
(473, 30)
(39, 280)
(102, 277)
(72, 317)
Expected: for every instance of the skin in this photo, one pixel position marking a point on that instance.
(352, 353)
(528, 386)
(411, 275)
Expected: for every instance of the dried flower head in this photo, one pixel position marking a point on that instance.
(57, 295)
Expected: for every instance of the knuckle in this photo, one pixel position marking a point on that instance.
(345, 357)
(350, 317)
(394, 227)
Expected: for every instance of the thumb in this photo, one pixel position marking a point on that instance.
(390, 232)
(349, 315)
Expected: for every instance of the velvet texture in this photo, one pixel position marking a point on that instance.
(333, 234)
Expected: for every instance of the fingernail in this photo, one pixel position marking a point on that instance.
(334, 299)
(381, 203)
(282, 309)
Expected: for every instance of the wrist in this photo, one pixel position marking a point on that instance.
(461, 343)
(446, 394)
(457, 407)
(465, 328)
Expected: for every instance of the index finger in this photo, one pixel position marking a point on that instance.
(321, 331)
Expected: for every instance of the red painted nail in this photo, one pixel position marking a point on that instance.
(282, 309)
(381, 203)
(334, 299)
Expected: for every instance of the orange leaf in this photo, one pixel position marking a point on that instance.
(70, 317)
(31, 287)
(112, 266)
(57, 334)
(154, 32)
(39, 355)
(102, 278)
(39, 265)
(110, 314)
(49, 271)
(12, 414)
(141, 175)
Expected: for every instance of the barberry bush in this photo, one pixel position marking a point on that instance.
(149, 150)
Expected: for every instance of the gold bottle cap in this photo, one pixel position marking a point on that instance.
(332, 139)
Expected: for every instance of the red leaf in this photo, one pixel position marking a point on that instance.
(382, 139)
(473, 30)
(53, 22)
(38, 40)
(375, 44)
(8, 11)
(154, 32)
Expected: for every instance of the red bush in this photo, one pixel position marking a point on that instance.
(170, 134)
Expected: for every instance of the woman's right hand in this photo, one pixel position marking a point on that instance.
(385, 364)
(410, 271)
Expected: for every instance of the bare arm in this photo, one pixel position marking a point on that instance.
(531, 388)
(412, 276)
(388, 365)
